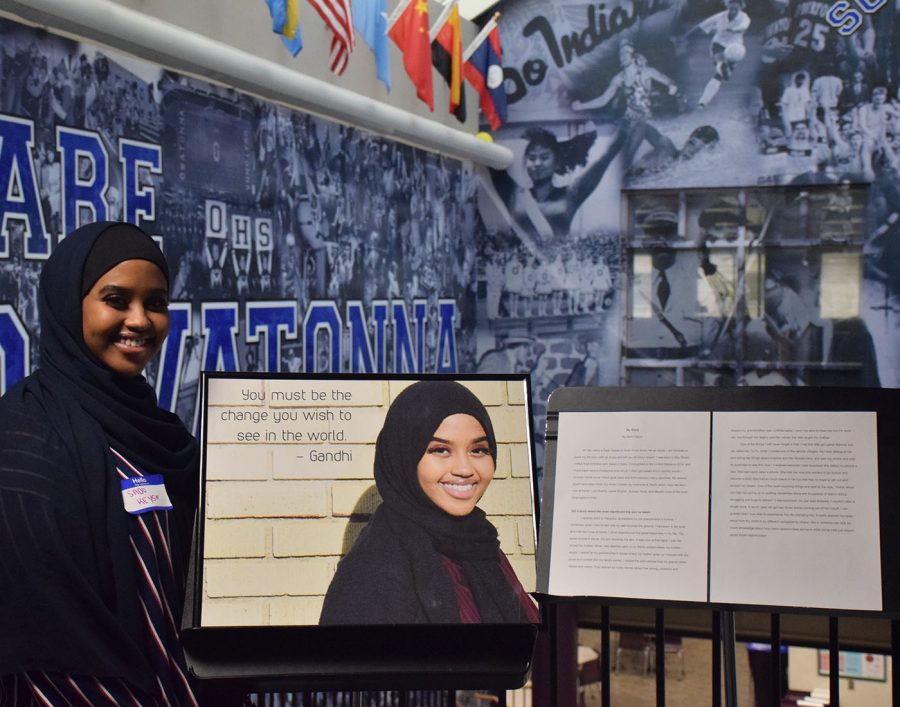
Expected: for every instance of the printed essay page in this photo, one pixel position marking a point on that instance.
(631, 505)
(795, 510)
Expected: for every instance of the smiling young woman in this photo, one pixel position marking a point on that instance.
(125, 316)
(429, 554)
(92, 581)
(457, 465)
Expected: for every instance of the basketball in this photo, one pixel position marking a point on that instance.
(734, 53)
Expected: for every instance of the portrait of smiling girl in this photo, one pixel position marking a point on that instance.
(429, 554)
(97, 488)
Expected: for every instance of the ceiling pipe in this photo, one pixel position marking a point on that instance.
(152, 39)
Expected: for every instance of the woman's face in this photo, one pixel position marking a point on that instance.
(540, 162)
(457, 466)
(125, 316)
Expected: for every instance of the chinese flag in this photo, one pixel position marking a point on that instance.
(410, 33)
(446, 54)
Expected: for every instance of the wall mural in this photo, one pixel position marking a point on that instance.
(294, 243)
(704, 193)
(753, 140)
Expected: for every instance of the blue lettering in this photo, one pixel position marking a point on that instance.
(379, 317)
(15, 348)
(85, 176)
(171, 358)
(403, 353)
(870, 7)
(445, 361)
(219, 322)
(360, 348)
(843, 18)
(19, 198)
(322, 315)
(272, 319)
(139, 199)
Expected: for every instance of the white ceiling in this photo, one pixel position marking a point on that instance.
(473, 8)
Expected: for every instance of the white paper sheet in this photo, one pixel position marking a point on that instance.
(630, 514)
(795, 510)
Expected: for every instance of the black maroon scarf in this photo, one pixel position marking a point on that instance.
(69, 593)
(409, 520)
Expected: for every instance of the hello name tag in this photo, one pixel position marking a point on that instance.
(145, 493)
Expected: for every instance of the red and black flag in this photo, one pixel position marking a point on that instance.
(446, 56)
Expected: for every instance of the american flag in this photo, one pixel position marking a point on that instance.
(338, 17)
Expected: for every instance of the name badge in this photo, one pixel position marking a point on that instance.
(145, 493)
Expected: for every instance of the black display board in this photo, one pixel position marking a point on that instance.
(269, 655)
(884, 402)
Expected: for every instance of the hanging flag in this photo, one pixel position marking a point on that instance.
(484, 70)
(286, 22)
(339, 18)
(410, 33)
(446, 55)
(370, 20)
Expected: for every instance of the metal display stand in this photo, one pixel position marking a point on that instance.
(884, 402)
(353, 658)
(729, 652)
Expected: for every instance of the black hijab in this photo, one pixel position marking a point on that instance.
(125, 408)
(408, 428)
(70, 597)
(408, 530)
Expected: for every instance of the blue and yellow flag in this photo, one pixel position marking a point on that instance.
(286, 22)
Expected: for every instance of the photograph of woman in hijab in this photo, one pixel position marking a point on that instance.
(429, 554)
(97, 488)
